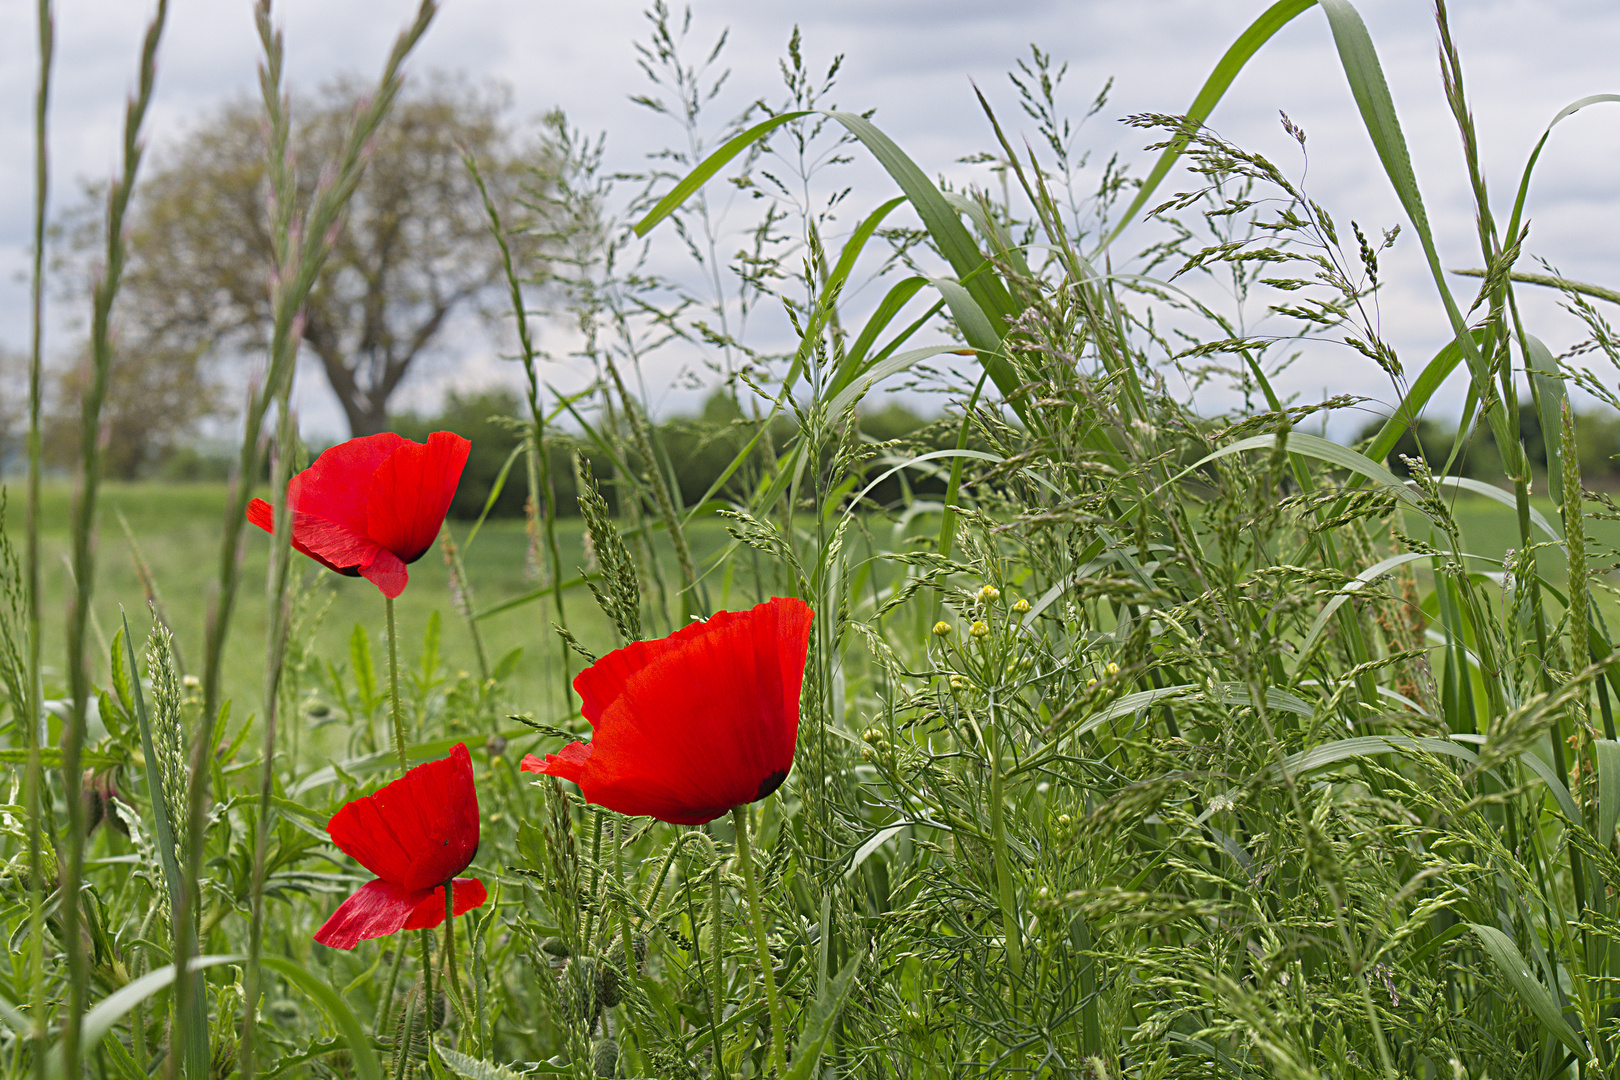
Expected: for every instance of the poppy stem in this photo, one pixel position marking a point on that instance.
(454, 988)
(425, 937)
(393, 686)
(756, 911)
(386, 1014)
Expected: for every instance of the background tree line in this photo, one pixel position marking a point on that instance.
(699, 450)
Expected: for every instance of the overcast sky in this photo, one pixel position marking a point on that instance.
(914, 62)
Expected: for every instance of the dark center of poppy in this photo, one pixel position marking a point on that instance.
(771, 783)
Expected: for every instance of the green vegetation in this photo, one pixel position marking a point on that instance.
(1133, 742)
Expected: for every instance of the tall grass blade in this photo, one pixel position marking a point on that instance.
(1515, 971)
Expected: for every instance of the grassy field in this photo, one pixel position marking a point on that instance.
(174, 529)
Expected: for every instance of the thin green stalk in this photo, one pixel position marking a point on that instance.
(385, 1011)
(84, 536)
(454, 980)
(756, 912)
(34, 779)
(393, 687)
(998, 842)
(540, 483)
(632, 980)
(717, 962)
(425, 939)
(462, 592)
(275, 660)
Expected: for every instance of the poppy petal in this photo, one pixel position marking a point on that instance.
(339, 544)
(410, 493)
(379, 908)
(337, 486)
(419, 831)
(569, 763)
(387, 572)
(691, 725)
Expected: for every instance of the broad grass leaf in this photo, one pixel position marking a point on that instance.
(115, 1006)
(708, 167)
(1529, 166)
(1491, 491)
(1608, 777)
(1315, 446)
(1516, 972)
(823, 1018)
(860, 381)
(1435, 372)
(1550, 395)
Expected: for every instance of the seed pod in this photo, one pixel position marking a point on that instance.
(605, 1058)
(615, 954)
(580, 987)
(554, 946)
(609, 985)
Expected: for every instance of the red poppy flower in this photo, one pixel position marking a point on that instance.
(416, 835)
(370, 505)
(687, 727)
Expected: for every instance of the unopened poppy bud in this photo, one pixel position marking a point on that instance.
(989, 594)
(1021, 606)
(609, 984)
(615, 955)
(979, 629)
(941, 628)
(605, 1058)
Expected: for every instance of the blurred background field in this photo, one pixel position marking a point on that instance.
(175, 529)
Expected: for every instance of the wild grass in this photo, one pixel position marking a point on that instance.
(1160, 745)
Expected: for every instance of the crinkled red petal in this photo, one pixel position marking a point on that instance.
(411, 492)
(379, 908)
(419, 831)
(569, 763)
(387, 572)
(337, 486)
(694, 724)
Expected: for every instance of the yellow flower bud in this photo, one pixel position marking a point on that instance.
(978, 629)
(1021, 606)
(989, 593)
(1090, 683)
(941, 628)
(1112, 668)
